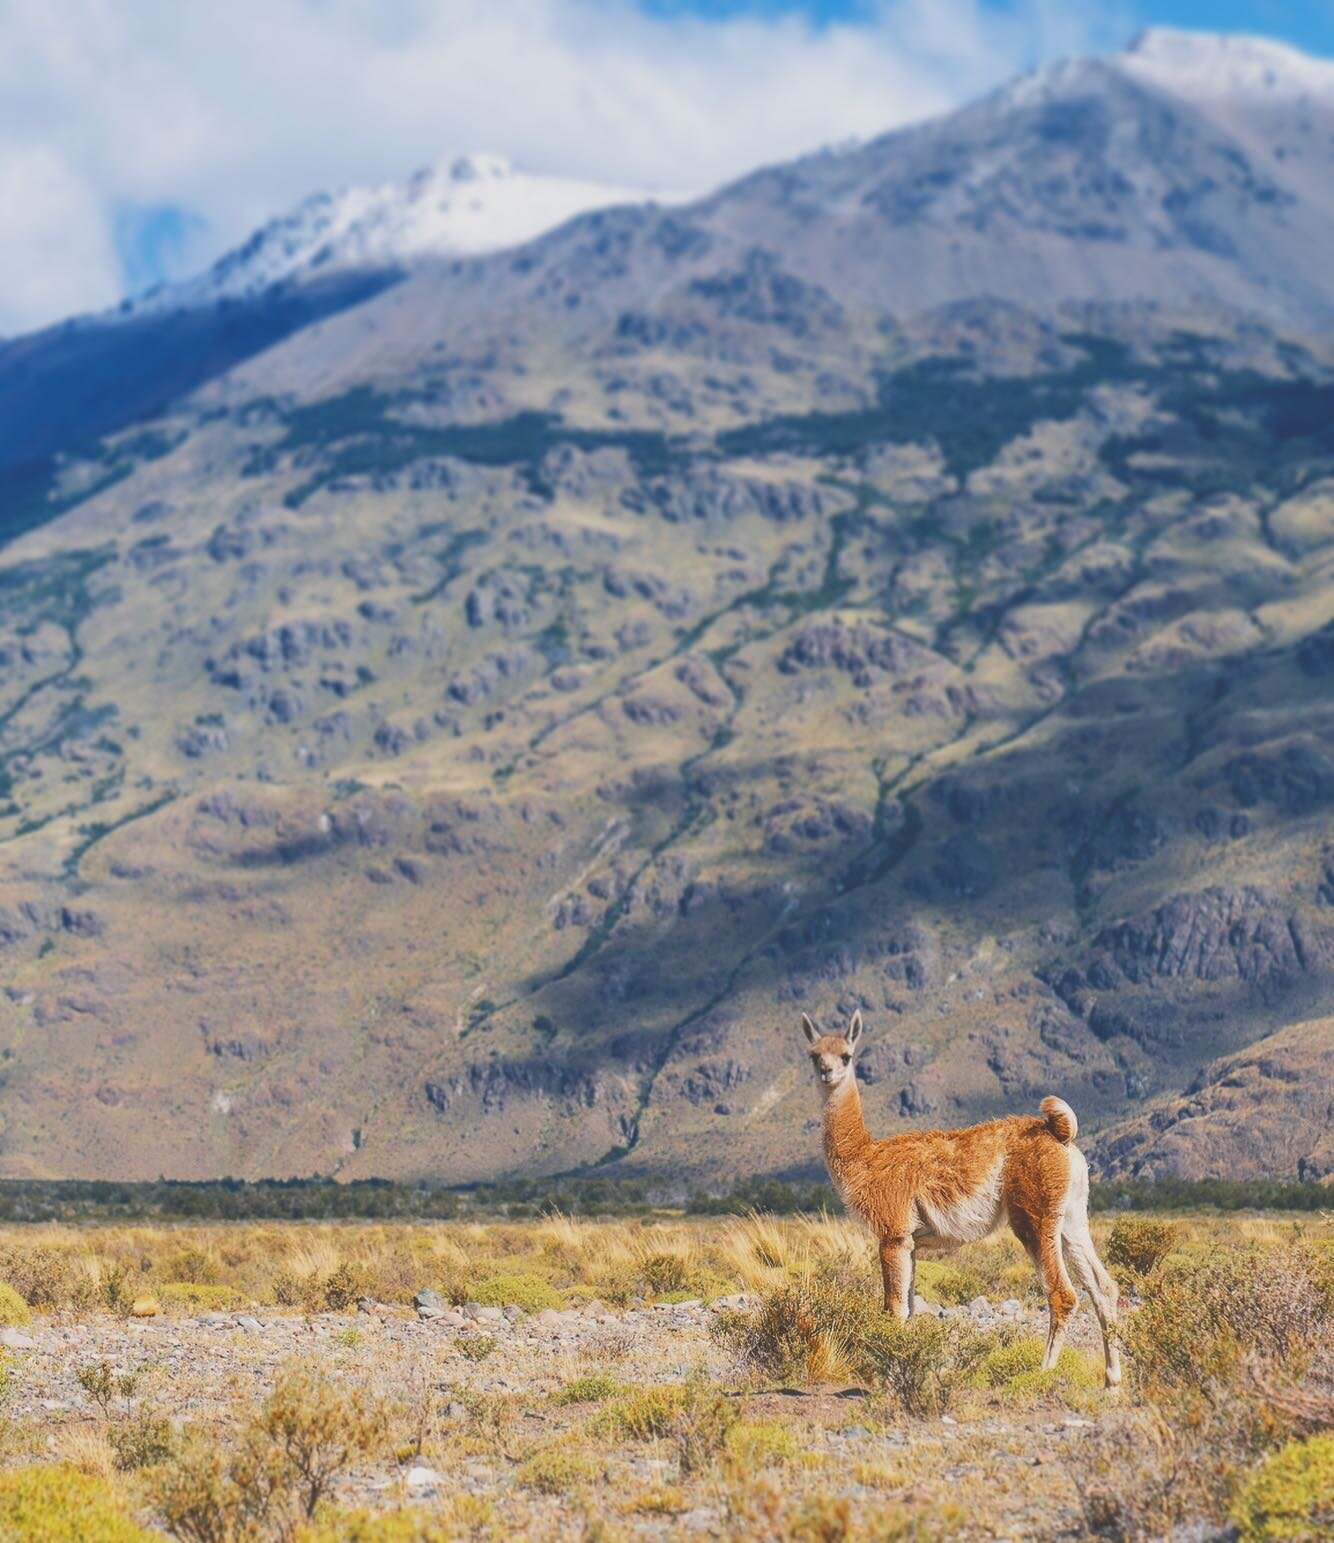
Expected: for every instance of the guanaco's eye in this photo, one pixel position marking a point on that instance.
(846, 1059)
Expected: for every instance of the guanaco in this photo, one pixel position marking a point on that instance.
(936, 1189)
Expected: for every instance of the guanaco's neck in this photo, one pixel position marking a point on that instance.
(846, 1139)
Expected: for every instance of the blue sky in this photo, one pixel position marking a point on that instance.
(1307, 23)
(141, 140)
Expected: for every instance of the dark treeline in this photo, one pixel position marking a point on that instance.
(322, 1199)
(1210, 1195)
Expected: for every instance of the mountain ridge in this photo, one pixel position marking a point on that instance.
(460, 735)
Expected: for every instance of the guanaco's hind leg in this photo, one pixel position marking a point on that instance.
(1043, 1243)
(1061, 1298)
(896, 1265)
(1092, 1275)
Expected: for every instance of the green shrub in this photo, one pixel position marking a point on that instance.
(644, 1414)
(761, 1443)
(60, 1505)
(520, 1289)
(665, 1275)
(1017, 1367)
(590, 1389)
(701, 1426)
(920, 1363)
(1291, 1495)
(342, 1288)
(202, 1298)
(802, 1329)
(1201, 1316)
(559, 1468)
(280, 1468)
(14, 1311)
(1137, 1245)
(193, 1266)
(45, 1277)
(142, 1442)
(475, 1347)
(938, 1282)
(407, 1526)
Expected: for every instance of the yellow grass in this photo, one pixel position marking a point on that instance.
(563, 1432)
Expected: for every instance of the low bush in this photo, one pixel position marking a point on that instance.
(664, 1274)
(521, 1289)
(590, 1389)
(1137, 1245)
(282, 1465)
(921, 1363)
(361, 1526)
(57, 1504)
(14, 1311)
(701, 1426)
(142, 1441)
(200, 1298)
(193, 1267)
(475, 1347)
(1017, 1368)
(1201, 1316)
(341, 1290)
(558, 1468)
(761, 1444)
(943, 1283)
(1290, 1496)
(804, 1329)
(644, 1414)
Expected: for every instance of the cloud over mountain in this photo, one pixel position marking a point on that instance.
(218, 118)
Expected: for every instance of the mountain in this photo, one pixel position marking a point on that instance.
(454, 721)
(475, 203)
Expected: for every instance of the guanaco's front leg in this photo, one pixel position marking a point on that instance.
(896, 1264)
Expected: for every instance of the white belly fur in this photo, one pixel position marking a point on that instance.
(967, 1219)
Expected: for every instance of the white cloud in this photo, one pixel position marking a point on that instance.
(235, 111)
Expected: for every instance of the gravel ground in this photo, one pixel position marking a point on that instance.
(202, 1367)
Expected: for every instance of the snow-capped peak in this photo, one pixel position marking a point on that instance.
(1206, 66)
(472, 204)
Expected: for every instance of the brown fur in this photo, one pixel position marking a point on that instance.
(933, 1190)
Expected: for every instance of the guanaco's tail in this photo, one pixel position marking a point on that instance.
(1060, 1118)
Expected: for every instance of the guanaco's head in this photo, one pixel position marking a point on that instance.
(831, 1054)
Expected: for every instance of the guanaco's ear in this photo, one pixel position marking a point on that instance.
(809, 1029)
(855, 1028)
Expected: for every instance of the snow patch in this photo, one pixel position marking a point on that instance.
(471, 205)
(1207, 66)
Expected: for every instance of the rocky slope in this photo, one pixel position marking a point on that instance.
(461, 737)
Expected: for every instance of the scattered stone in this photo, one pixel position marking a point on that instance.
(249, 1324)
(429, 1304)
(479, 1313)
(15, 1339)
(979, 1305)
